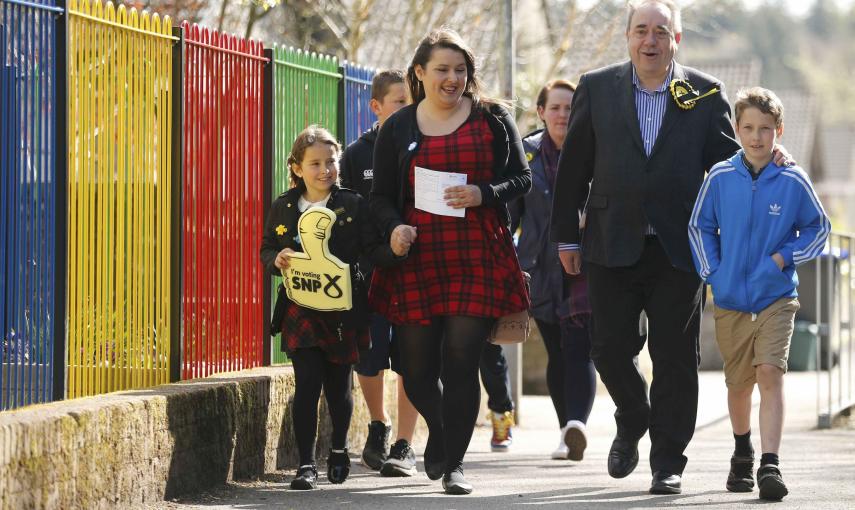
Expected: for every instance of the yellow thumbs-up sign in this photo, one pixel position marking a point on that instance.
(316, 278)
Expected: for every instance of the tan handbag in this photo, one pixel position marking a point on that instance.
(512, 328)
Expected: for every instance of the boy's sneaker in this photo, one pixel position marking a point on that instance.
(741, 476)
(338, 466)
(576, 439)
(376, 445)
(401, 460)
(306, 479)
(502, 431)
(455, 483)
(771, 484)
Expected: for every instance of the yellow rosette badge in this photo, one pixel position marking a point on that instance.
(685, 95)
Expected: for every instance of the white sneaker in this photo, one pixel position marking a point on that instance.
(575, 439)
(560, 453)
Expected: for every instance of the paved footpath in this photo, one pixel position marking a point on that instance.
(818, 466)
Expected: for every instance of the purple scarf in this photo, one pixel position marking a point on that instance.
(550, 154)
(576, 290)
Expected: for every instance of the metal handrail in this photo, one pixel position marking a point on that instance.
(835, 310)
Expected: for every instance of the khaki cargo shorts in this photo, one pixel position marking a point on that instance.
(745, 343)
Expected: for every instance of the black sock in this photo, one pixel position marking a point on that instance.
(743, 445)
(769, 458)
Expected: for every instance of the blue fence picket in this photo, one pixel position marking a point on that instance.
(28, 141)
(358, 117)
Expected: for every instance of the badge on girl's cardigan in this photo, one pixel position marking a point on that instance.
(685, 95)
(316, 278)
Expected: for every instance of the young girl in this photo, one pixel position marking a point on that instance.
(322, 346)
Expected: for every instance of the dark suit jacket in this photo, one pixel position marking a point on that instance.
(603, 147)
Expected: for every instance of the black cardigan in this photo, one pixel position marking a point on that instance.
(400, 137)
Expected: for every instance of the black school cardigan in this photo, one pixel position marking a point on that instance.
(398, 140)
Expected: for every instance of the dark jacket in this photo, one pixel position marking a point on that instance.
(400, 137)
(352, 235)
(357, 173)
(628, 189)
(537, 254)
(357, 168)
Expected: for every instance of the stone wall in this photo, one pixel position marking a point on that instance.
(134, 447)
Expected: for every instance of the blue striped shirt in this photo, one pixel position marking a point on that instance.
(650, 107)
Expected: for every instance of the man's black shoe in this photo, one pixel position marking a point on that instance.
(401, 460)
(376, 445)
(771, 483)
(623, 457)
(741, 476)
(666, 483)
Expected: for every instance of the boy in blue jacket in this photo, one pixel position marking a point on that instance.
(752, 223)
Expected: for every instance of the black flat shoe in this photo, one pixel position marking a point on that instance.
(434, 458)
(666, 483)
(306, 479)
(623, 457)
(338, 466)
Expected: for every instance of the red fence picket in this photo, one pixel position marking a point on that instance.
(222, 310)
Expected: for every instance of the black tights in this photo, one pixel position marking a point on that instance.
(448, 350)
(570, 374)
(312, 372)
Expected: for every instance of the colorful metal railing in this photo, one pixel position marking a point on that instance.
(119, 187)
(356, 94)
(156, 227)
(28, 144)
(222, 309)
(305, 91)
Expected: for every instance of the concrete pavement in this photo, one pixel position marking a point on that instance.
(818, 466)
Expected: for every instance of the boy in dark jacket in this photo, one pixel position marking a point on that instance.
(752, 223)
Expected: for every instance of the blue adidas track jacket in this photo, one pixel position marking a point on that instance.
(738, 223)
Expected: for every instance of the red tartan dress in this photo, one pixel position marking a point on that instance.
(457, 266)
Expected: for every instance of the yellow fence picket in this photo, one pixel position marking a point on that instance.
(119, 139)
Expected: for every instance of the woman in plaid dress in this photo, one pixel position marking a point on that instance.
(462, 272)
(322, 345)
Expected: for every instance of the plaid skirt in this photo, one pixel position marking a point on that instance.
(304, 327)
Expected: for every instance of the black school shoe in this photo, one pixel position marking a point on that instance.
(376, 445)
(338, 466)
(434, 458)
(771, 483)
(741, 476)
(401, 460)
(306, 479)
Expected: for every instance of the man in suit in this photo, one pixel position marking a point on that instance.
(645, 159)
